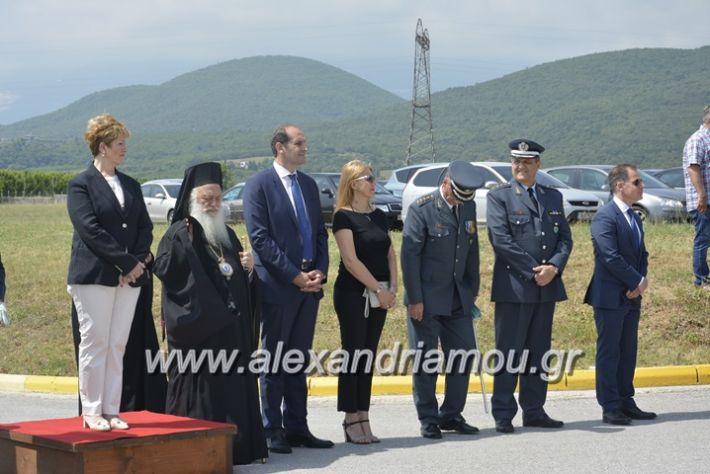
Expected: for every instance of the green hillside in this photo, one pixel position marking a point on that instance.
(634, 106)
(244, 94)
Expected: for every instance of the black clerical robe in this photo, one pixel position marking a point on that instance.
(206, 312)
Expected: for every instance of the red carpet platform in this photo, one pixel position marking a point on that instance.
(155, 443)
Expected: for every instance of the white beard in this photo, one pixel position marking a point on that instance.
(212, 224)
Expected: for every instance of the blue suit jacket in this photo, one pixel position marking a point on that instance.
(522, 241)
(438, 253)
(619, 260)
(274, 234)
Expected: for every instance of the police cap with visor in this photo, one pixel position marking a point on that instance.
(465, 179)
(524, 148)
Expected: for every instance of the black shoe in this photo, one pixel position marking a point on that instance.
(459, 425)
(504, 426)
(615, 417)
(277, 443)
(543, 422)
(635, 413)
(430, 431)
(307, 439)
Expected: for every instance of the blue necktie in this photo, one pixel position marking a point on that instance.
(304, 224)
(531, 193)
(634, 226)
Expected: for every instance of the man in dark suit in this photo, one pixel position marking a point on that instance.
(289, 240)
(619, 280)
(440, 268)
(532, 242)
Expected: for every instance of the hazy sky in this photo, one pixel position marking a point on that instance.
(53, 52)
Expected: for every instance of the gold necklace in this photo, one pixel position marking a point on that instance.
(224, 268)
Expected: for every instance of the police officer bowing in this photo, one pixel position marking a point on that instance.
(440, 270)
(532, 242)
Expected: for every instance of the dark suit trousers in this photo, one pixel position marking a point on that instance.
(357, 333)
(617, 343)
(454, 332)
(521, 326)
(293, 325)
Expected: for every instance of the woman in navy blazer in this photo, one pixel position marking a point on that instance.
(110, 248)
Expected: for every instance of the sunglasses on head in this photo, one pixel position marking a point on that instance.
(369, 178)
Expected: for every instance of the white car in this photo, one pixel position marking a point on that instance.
(160, 196)
(578, 205)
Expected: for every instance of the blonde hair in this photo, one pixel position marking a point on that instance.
(351, 170)
(103, 128)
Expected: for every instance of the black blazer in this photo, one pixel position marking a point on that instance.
(107, 240)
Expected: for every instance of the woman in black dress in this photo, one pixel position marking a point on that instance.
(367, 275)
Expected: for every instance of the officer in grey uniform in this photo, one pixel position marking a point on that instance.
(440, 269)
(532, 242)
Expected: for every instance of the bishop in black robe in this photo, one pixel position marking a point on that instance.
(204, 310)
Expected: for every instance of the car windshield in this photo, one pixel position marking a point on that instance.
(541, 177)
(172, 189)
(649, 182)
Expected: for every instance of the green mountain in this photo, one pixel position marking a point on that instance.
(635, 106)
(243, 94)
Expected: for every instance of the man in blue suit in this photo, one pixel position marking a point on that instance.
(619, 280)
(289, 240)
(532, 242)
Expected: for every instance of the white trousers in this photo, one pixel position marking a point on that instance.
(105, 316)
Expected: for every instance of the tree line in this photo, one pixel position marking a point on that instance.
(33, 183)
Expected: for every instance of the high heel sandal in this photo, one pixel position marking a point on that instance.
(373, 438)
(96, 423)
(116, 423)
(350, 439)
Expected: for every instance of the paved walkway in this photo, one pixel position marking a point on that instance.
(678, 441)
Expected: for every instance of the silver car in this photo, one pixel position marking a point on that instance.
(232, 198)
(673, 177)
(401, 176)
(660, 202)
(578, 205)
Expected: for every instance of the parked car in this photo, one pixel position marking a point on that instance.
(673, 177)
(232, 198)
(578, 205)
(383, 199)
(160, 196)
(401, 176)
(660, 202)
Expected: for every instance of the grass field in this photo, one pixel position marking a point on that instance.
(35, 241)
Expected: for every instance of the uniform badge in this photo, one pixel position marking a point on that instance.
(470, 227)
(523, 146)
(554, 212)
(556, 228)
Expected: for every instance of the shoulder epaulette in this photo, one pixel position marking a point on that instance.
(425, 199)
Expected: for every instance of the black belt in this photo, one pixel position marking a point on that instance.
(306, 265)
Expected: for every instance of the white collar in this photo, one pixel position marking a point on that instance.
(281, 171)
(621, 204)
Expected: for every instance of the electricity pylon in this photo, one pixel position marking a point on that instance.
(421, 136)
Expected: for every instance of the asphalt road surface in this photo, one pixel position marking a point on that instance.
(678, 440)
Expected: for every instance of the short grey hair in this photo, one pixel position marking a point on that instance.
(619, 174)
